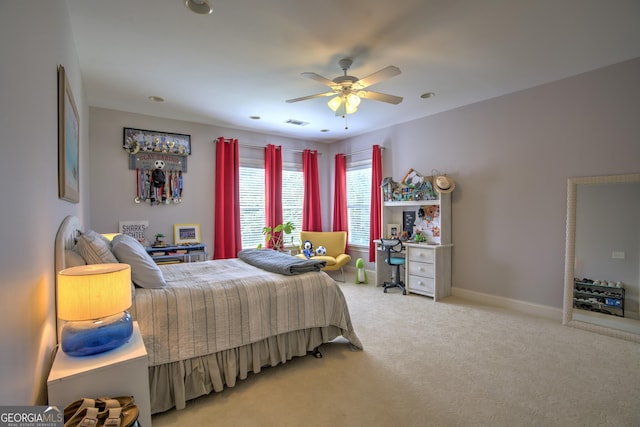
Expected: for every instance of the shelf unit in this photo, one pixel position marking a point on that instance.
(599, 298)
(178, 253)
(428, 265)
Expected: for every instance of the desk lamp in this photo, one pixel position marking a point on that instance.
(93, 299)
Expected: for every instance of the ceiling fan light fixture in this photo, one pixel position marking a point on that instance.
(352, 100)
(201, 7)
(334, 103)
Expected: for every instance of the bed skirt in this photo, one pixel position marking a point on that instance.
(173, 384)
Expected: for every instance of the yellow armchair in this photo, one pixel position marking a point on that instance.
(334, 242)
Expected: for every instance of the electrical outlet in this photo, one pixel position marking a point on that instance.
(617, 255)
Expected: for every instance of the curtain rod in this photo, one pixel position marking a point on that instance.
(364, 150)
(258, 147)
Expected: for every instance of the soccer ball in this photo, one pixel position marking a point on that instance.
(159, 164)
(321, 250)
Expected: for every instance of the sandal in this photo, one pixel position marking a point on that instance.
(121, 401)
(87, 417)
(118, 411)
(74, 408)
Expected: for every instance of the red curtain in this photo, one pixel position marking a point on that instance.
(311, 212)
(227, 240)
(273, 186)
(340, 222)
(375, 228)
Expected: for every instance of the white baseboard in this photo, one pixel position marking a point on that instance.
(544, 311)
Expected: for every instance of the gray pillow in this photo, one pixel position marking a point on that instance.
(94, 248)
(73, 258)
(144, 271)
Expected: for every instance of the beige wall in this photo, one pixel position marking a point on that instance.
(511, 157)
(113, 184)
(34, 41)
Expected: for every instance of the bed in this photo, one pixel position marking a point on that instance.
(213, 322)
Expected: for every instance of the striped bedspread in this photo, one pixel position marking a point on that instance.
(218, 305)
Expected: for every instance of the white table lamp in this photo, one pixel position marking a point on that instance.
(93, 299)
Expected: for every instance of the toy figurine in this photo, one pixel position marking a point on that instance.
(361, 273)
(308, 249)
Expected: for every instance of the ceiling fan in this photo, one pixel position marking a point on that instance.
(348, 90)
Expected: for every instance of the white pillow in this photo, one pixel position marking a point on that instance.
(94, 248)
(144, 271)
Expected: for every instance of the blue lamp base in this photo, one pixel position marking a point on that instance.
(84, 338)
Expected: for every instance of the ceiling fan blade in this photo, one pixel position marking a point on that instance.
(304, 98)
(377, 96)
(319, 78)
(378, 76)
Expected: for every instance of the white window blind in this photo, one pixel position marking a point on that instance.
(358, 202)
(251, 205)
(252, 200)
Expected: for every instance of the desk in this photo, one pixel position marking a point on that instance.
(427, 270)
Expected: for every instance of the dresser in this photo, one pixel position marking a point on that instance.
(428, 270)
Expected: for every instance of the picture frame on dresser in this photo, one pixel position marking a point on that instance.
(393, 231)
(186, 234)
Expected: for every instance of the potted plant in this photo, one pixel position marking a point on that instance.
(158, 242)
(276, 235)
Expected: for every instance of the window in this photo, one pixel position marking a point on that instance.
(292, 196)
(251, 204)
(358, 202)
(252, 200)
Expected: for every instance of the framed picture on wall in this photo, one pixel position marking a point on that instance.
(186, 234)
(152, 141)
(68, 141)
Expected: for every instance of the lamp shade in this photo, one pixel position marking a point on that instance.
(93, 291)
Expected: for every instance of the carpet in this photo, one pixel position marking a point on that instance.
(450, 363)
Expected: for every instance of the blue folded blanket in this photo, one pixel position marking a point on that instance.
(279, 262)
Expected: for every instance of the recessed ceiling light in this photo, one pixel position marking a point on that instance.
(156, 98)
(428, 95)
(201, 7)
(255, 117)
(296, 122)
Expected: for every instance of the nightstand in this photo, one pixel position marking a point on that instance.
(123, 371)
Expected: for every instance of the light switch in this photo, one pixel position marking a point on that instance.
(617, 255)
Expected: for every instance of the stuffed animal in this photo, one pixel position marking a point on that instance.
(308, 249)
(361, 273)
(321, 251)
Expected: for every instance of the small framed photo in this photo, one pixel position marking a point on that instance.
(394, 231)
(186, 234)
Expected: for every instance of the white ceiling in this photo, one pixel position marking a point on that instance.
(246, 58)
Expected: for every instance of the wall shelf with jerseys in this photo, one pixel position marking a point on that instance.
(160, 162)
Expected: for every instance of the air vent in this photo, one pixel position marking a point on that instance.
(296, 122)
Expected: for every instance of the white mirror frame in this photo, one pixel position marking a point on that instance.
(570, 253)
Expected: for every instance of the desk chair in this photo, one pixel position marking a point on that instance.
(393, 246)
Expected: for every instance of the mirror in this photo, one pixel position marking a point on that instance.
(603, 244)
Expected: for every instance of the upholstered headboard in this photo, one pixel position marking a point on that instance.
(65, 240)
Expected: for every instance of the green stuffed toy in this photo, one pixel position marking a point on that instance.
(361, 273)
